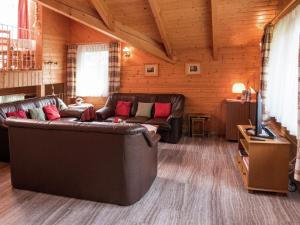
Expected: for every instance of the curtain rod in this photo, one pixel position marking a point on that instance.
(289, 7)
(85, 43)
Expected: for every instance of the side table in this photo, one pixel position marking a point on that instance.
(87, 111)
(200, 121)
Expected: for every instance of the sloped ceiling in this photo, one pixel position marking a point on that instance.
(190, 23)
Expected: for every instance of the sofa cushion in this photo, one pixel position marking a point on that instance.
(162, 110)
(123, 108)
(161, 122)
(137, 119)
(144, 109)
(37, 114)
(51, 112)
(18, 114)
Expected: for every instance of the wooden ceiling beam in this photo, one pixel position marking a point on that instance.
(104, 13)
(156, 11)
(120, 32)
(215, 47)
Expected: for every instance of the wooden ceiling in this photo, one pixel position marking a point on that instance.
(164, 27)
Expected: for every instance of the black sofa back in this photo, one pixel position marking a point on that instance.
(169, 129)
(21, 105)
(105, 162)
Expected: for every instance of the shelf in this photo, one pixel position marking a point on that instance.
(245, 145)
(269, 163)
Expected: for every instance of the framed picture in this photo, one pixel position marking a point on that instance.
(192, 68)
(151, 70)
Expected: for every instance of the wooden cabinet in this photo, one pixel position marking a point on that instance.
(238, 112)
(264, 164)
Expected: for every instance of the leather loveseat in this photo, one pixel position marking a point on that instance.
(105, 162)
(170, 129)
(69, 115)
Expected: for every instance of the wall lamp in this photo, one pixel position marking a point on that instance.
(127, 52)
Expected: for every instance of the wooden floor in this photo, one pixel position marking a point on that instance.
(197, 183)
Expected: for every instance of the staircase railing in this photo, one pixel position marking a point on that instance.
(18, 48)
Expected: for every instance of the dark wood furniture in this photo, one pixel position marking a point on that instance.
(238, 112)
(198, 124)
(265, 165)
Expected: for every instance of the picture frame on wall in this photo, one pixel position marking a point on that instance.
(192, 68)
(151, 70)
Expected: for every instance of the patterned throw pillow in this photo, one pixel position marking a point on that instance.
(51, 112)
(37, 114)
(123, 108)
(162, 110)
(18, 114)
(144, 109)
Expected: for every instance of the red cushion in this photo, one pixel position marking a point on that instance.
(162, 110)
(18, 114)
(123, 108)
(51, 112)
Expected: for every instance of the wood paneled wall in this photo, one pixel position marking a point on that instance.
(56, 33)
(204, 93)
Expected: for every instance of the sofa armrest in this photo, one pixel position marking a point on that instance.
(104, 113)
(151, 138)
(72, 112)
(175, 115)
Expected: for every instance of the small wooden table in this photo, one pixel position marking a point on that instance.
(264, 165)
(198, 118)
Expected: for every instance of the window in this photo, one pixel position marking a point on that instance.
(92, 70)
(9, 12)
(282, 80)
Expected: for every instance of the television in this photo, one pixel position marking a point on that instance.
(260, 129)
(259, 119)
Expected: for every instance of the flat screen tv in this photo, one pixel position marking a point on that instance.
(259, 119)
(260, 129)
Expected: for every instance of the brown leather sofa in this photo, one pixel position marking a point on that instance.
(170, 129)
(68, 115)
(105, 162)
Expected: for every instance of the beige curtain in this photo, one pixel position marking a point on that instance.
(297, 166)
(71, 71)
(114, 67)
(265, 52)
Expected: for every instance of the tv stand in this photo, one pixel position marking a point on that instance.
(263, 164)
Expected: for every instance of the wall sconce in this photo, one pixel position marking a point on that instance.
(50, 63)
(127, 52)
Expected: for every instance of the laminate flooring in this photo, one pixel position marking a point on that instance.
(198, 183)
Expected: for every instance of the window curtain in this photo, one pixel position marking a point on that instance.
(265, 52)
(71, 71)
(23, 24)
(282, 72)
(297, 166)
(92, 70)
(114, 67)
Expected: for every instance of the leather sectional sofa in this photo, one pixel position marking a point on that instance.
(105, 162)
(170, 129)
(70, 115)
